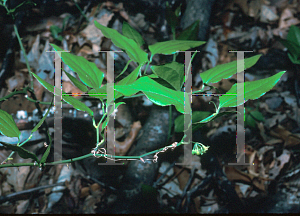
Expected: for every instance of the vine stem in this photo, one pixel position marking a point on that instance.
(93, 155)
(25, 55)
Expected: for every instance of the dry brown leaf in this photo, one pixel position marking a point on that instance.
(121, 148)
(268, 14)
(287, 18)
(182, 176)
(279, 163)
(22, 206)
(33, 178)
(16, 103)
(16, 82)
(85, 50)
(238, 191)
(289, 138)
(227, 19)
(235, 175)
(94, 34)
(254, 8)
(68, 87)
(84, 192)
(273, 142)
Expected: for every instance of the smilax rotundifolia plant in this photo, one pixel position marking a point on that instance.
(91, 82)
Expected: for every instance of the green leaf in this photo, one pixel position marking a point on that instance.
(47, 86)
(252, 117)
(55, 30)
(131, 33)
(130, 46)
(163, 83)
(69, 99)
(153, 76)
(109, 113)
(77, 104)
(129, 79)
(225, 71)
(190, 33)
(116, 107)
(196, 117)
(294, 50)
(88, 72)
(294, 35)
(178, 10)
(252, 90)
(158, 94)
(200, 124)
(99, 93)
(45, 155)
(171, 47)
(124, 69)
(43, 119)
(173, 73)
(171, 17)
(8, 126)
(77, 83)
(21, 151)
(104, 125)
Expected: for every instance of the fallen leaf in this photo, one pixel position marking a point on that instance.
(287, 18)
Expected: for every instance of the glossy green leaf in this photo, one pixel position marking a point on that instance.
(77, 83)
(190, 33)
(124, 69)
(104, 124)
(198, 125)
(69, 99)
(164, 83)
(196, 117)
(45, 155)
(129, 79)
(252, 117)
(43, 119)
(153, 76)
(173, 73)
(116, 107)
(225, 71)
(130, 46)
(8, 126)
(46, 85)
(252, 90)
(294, 35)
(133, 34)
(294, 50)
(77, 104)
(158, 94)
(21, 151)
(88, 72)
(99, 93)
(171, 47)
